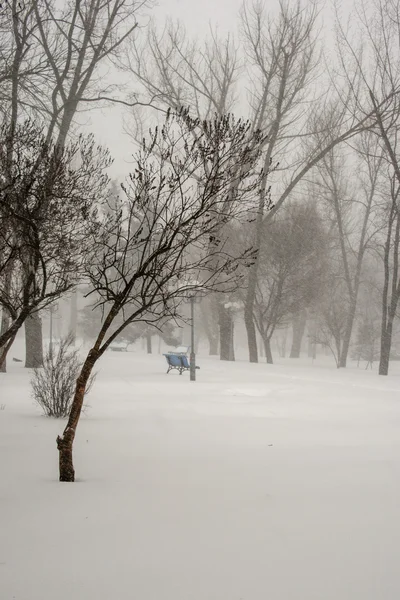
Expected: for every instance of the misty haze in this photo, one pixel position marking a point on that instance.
(199, 300)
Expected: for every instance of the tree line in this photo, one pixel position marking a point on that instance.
(330, 116)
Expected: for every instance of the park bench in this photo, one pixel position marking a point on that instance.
(179, 362)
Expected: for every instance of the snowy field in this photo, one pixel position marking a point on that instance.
(254, 483)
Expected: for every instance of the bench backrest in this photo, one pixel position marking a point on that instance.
(185, 362)
(173, 360)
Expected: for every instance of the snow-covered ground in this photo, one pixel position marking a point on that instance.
(254, 483)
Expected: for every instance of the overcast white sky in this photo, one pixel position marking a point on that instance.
(196, 14)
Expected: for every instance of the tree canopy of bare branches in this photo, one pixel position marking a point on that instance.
(47, 209)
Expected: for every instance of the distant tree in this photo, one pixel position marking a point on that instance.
(291, 268)
(367, 340)
(370, 64)
(331, 316)
(391, 271)
(91, 320)
(350, 195)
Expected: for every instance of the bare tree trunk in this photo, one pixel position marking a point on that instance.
(5, 323)
(7, 339)
(4, 352)
(261, 346)
(226, 331)
(299, 325)
(386, 344)
(33, 341)
(148, 343)
(65, 443)
(347, 335)
(268, 352)
(249, 321)
(210, 323)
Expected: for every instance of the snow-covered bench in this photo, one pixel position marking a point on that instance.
(179, 362)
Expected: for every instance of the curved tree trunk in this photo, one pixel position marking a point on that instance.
(65, 442)
(4, 352)
(33, 341)
(299, 325)
(9, 335)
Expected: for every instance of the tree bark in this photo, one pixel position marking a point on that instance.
(250, 329)
(66, 465)
(261, 346)
(226, 332)
(65, 442)
(386, 344)
(4, 352)
(34, 341)
(299, 325)
(148, 343)
(268, 351)
(347, 336)
(8, 337)
(5, 324)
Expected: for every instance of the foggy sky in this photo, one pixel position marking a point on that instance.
(196, 16)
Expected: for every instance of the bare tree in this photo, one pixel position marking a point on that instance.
(163, 244)
(176, 71)
(352, 205)
(391, 270)
(23, 77)
(55, 60)
(303, 127)
(374, 72)
(48, 208)
(291, 267)
(282, 57)
(331, 317)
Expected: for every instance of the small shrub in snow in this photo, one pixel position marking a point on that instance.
(53, 385)
(2, 407)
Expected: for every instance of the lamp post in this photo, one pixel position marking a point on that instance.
(192, 351)
(193, 293)
(53, 309)
(196, 297)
